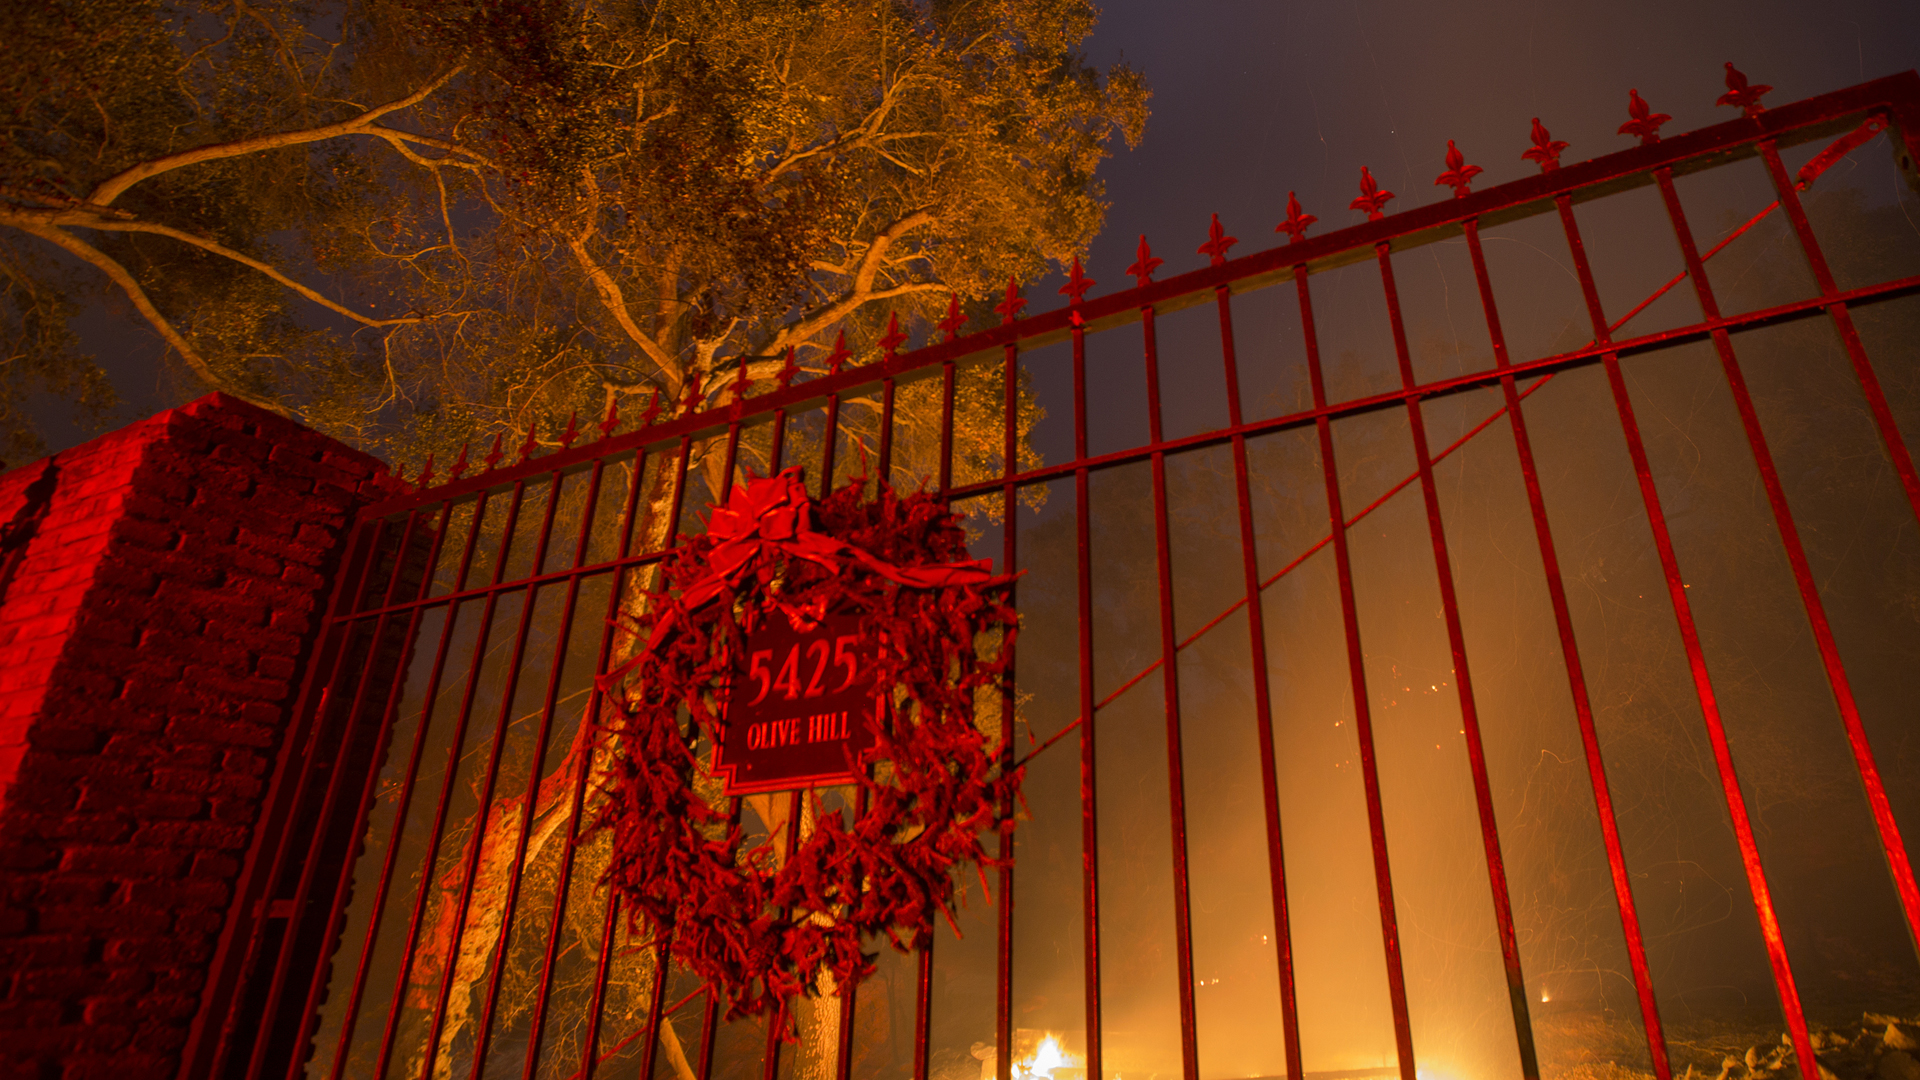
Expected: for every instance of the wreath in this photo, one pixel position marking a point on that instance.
(757, 929)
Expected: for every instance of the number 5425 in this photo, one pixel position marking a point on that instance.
(820, 656)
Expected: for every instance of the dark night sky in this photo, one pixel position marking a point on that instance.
(1253, 99)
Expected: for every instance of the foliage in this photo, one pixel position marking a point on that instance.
(318, 211)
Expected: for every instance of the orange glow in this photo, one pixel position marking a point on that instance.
(1046, 1057)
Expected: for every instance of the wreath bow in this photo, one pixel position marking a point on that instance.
(776, 512)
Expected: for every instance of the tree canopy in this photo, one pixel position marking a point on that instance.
(414, 223)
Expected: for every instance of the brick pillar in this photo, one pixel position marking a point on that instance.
(159, 589)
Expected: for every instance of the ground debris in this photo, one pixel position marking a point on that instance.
(1877, 1047)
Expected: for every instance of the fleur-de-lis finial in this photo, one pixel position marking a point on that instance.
(1077, 284)
(1742, 96)
(459, 463)
(890, 341)
(426, 474)
(1371, 197)
(696, 393)
(1144, 264)
(1215, 249)
(837, 359)
(572, 432)
(653, 410)
(612, 421)
(1296, 224)
(950, 326)
(1546, 149)
(1009, 308)
(789, 370)
(492, 460)
(1459, 174)
(527, 448)
(1645, 123)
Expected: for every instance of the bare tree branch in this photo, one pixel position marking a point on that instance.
(862, 291)
(114, 186)
(110, 225)
(615, 301)
(399, 139)
(121, 277)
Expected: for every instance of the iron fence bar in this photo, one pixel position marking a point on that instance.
(1892, 846)
(1883, 422)
(308, 867)
(343, 888)
(848, 991)
(1576, 675)
(274, 866)
(923, 1013)
(770, 1058)
(662, 963)
(776, 1023)
(1170, 705)
(484, 810)
(587, 507)
(1816, 615)
(481, 633)
(709, 1018)
(264, 867)
(590, 1045)
(1689, 634)
(584, 770)
(538, 751)
(770, 1055)
(676, 505)
(1463, 686)
(777, 444)
(1262, 692)
(1009, 698)
(886, 429)
(400, 558)
(663, 956)
(1357, 674)
(1089, 806)
(732, 459)
(402, 802)
(946, 427)
(832, 430)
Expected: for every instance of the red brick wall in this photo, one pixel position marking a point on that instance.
(159, 587)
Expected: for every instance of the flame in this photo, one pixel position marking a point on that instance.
(1046, 1057)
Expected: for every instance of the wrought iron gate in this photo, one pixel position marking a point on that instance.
(1247, 862)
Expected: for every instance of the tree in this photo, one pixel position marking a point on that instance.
(317, 209)
(416, 224)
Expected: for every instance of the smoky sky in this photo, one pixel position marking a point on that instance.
(1252, 100)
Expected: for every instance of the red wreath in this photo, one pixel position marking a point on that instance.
(757, 933)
